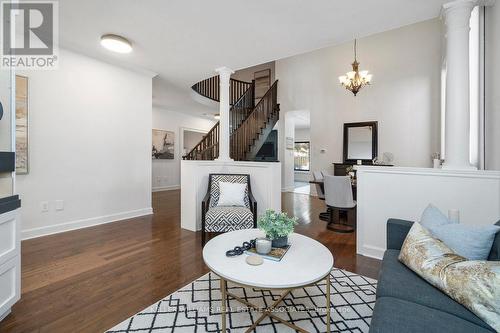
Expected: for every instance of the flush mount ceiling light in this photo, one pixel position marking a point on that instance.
(116, 43)
(355, 80)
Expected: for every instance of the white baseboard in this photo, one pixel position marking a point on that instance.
(287, 189)
(371, 251)
(84, 223)
(166, 188)
(5, 314)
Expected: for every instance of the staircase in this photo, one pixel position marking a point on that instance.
(249, 123)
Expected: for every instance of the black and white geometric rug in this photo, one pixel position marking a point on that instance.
(196, 308)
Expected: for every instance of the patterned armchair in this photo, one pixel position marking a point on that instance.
(227, 218)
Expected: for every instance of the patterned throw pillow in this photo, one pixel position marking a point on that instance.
(474, 284)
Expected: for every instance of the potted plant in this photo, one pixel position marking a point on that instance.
(277, 227)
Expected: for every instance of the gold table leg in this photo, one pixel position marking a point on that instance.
(223, 301)
(268, 311)
(328, 314)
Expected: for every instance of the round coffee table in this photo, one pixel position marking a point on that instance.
(306, 262)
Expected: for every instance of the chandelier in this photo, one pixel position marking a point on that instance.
(355, 80)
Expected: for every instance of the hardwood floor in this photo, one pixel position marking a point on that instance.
(89, 280)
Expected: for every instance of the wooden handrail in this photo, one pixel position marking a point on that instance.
(243, 138)
(209, 88)
(207, 148)
(246, 123)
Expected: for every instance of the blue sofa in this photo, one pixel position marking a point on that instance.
(407, 303)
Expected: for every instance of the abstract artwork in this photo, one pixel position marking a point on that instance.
(22, 152)
(163, 145)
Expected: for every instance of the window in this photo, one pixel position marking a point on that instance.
(302, 156)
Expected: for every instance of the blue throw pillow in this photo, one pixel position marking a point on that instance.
(471, 242)
(432, 218)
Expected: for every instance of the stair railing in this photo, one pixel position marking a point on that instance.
(209, 88)
(207, 148)
(241, 108)
(243, 138)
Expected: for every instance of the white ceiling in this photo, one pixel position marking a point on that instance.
(184, 40)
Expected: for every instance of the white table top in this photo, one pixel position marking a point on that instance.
(307, 261)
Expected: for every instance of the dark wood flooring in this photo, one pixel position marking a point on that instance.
(91, 279)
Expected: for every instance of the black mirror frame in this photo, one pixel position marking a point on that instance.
(374, 126)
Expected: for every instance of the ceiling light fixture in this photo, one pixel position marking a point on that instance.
(355, 80)
(116, 43)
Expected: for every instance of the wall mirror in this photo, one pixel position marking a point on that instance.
(360, 142)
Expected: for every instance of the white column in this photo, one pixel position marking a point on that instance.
(224, 75)
(457, 115)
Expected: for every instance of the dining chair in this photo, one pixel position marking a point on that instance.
(339, 197)
(318, 176)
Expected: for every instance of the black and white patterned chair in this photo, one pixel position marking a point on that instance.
(227, 218)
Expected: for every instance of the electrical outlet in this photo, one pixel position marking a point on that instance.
(59, 205)
(44, 206)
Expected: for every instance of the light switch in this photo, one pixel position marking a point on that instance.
(44, 206)
(59, 204)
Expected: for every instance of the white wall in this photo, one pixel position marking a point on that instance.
(404, 193)
(492, 105)
(404, 97)
(90, 145)
(286, 129)
(247, 74)
(166, 173)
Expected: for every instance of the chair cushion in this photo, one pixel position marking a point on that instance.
(225, 218)
(232, 194)
(215, 188)
(397, 280)
(392, 315)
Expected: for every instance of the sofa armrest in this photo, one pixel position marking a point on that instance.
(495, 248)
(396, 233)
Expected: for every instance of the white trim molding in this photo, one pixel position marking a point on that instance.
(166, 188)
(83, 223)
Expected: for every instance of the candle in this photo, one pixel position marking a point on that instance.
(263, 245)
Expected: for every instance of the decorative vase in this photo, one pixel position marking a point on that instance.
(280, 241)
(436, 163)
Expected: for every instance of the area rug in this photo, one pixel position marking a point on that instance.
(196, 308)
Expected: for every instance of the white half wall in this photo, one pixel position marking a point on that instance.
(264, 179)
(404, 193)
(89, 144)
(166, 174)
(492, 87)
(404, 97)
